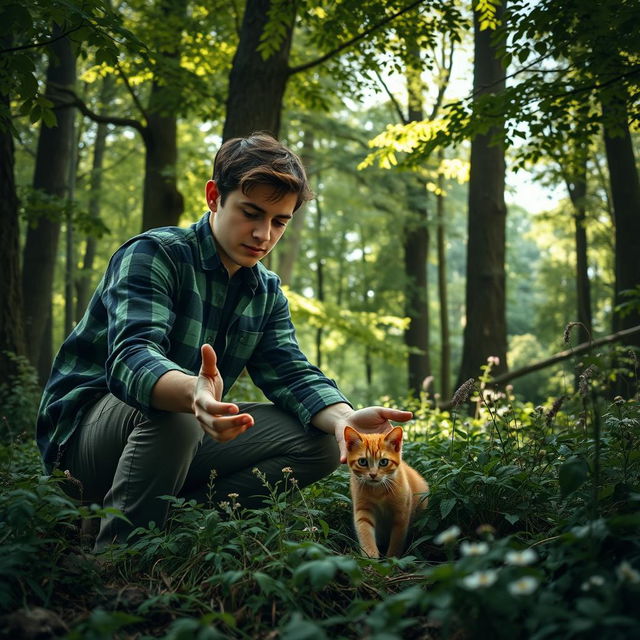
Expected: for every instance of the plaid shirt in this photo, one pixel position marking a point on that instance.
(160, 299)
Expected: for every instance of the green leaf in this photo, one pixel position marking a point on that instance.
(317, 572)
(572, 475)
(446, 506)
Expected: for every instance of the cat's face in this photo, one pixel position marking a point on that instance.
(373, 458)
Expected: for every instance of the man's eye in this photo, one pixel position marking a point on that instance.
(279, 223)
(250, 215)
(363, 462)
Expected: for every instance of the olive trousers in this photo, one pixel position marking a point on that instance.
(125, 460)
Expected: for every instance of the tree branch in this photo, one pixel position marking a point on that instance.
(44, 43)
(96, 117)
(132, 92)
(395, 103)
(352, 41)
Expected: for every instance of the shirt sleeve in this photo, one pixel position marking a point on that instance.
(283, 372)
(138, 296)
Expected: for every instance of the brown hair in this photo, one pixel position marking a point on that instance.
(260, 159)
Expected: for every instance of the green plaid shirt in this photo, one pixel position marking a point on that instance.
(160, 299)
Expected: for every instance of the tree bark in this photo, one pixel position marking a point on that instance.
(445, 341)
(577, 187)
(416, 247)
(256, 85)
(83, 280)
(625, 193)
(51, 178)
(11, 320)
(485, 332)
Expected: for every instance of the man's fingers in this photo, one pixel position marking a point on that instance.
(224, 429)
(396, 414)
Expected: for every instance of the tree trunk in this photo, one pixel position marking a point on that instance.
(625, 193)
(416, 249)
(577, 187)
(83, 281)
(51, 178)
(485, 333)
(11, 321)
(163, 204)
(445, 342)
(256, 85)
(289, 247)
(319, 275)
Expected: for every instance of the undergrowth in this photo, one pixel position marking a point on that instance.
(531, 531)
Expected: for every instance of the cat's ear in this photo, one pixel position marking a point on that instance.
(394, 438)
(351, 437)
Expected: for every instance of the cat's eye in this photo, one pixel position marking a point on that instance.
(363, 462)
(383, 462)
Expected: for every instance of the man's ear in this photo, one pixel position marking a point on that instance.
(212, 194)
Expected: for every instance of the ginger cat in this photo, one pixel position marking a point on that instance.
(386, 492)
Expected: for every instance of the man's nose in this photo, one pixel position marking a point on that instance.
(262, 230)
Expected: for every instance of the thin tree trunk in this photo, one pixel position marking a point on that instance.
(625, 193)
(445, 342)
(256, 85)
(416, 249)
(485, 332)
(577, 187)
(319, 275)
(11, 320)
(289, 247)
(51, 178)
(83, 281)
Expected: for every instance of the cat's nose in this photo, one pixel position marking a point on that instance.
(373, 476)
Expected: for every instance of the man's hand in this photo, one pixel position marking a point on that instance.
(220, 420)
(370, 420)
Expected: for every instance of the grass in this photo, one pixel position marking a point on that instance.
(531, 532)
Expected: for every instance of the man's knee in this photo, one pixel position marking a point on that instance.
(319, 455)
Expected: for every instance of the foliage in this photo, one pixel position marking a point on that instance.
(530, 532)
(19, 398)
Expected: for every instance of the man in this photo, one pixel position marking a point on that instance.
(135, 404)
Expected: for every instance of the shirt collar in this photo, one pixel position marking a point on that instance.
(209, 254)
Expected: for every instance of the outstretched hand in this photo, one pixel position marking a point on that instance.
(220, 420)
(370, 420)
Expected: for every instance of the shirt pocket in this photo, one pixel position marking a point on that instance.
(245, 343)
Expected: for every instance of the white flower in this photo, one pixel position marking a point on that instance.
(521, 558)
(480, 579)
(593, 581)
(627, 573)
(311, 529)
(523, 587)
(448, 536)
(233, 496)
(474, 548)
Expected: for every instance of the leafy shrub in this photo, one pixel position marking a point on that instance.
(19, 399)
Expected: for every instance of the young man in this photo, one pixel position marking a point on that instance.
(135, 404)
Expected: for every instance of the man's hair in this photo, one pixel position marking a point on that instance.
(260, 160)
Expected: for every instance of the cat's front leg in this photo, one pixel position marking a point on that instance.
(366, 530)
(397, 539)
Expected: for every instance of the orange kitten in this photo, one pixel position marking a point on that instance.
(386, 492)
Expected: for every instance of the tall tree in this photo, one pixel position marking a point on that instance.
(485, 332)
(50, 181)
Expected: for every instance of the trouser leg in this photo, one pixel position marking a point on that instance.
(276, 441)
(125, 461)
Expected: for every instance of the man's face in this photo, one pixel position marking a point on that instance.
(247, 226)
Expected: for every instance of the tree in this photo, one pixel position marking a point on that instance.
(485, 332)
(50, 183)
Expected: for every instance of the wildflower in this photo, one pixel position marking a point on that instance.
(555, 407)
(233, 496)
(448, 536)
(567, 331)
(311, 529)
(480, 579)
(626, 573)
(493, 360)
(224, 504)
(521, 558)
(523, 587)
(593, 581)
(463, 392)
(474, 548)
(585, 376)
(486, 530)
(287, 470)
